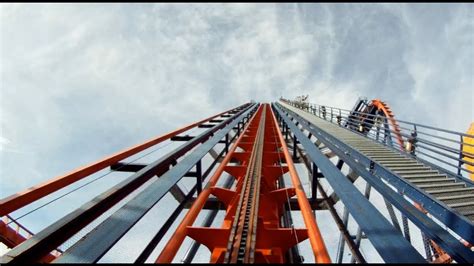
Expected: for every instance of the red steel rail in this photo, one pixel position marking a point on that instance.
(13, 236)
(174, 243)
(251, 229)
(21, 199)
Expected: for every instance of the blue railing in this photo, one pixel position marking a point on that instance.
(438, 147)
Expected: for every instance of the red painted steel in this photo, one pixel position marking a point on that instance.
(171, 248)
(21, 199)
(440, 256)
(269, 241)
(389, 114)
(12, 237)
(317, 243)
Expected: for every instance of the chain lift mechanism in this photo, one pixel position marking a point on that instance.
(235, 183)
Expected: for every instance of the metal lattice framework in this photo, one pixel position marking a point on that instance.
(235, 186)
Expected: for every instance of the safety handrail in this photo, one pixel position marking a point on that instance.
(447, 149)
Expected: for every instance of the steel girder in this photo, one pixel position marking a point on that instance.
(448, 216)
(358, 162)
(388, 241)
(52, 236)
(97, 243)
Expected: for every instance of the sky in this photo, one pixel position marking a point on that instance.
(81, 81)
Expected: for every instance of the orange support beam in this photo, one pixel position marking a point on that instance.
(270, 241)
(317, 243)
(13, 237)
(388, 113)
(21, 199)
(171, 248)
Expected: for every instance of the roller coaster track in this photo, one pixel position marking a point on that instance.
(390, 116)
(255, 159)
(255, 203)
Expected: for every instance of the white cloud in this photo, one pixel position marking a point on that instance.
(81, 81)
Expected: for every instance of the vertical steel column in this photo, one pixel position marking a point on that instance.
(427, 246)
(295, 156)
(199, 177)
(406, 229)
(391, 212)
(314, 181)
(226, 143)
(359, 230)
(345, 220)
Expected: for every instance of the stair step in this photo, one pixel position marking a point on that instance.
(456, 197)
(408, 167)
(391, 156)
(369, 149)
(381, 153)
(423, 175)
(433, 180)
(461, 204)
(441, 185)
(394, 159)
(466, 213)
(449, 191)
(410, 171)
(394, 163)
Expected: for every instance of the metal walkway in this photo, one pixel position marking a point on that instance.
(447, 198)
(253, 148)
(452, 192)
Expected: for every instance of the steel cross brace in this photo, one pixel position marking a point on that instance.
(182, 205)
(48, 239)
(388, 241)
(109, 232)
(448, 216)
(449, 243)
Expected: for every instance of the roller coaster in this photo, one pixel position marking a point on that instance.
(264, 183)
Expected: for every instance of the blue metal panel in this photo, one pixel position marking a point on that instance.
(95, 244)
(450, 217)
(52, 236)
(387, 240)
(450, 244)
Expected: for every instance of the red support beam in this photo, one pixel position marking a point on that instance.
(171, 248)
(266, 241)
(21, 199)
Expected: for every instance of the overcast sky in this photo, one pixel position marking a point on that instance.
(82, 81)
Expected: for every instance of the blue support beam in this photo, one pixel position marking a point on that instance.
(443, 238)
(387, 240)
(95, 244)
(52, 236)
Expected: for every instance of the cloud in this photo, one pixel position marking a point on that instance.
(79, 82)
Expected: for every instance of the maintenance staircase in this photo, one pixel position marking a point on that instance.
(456, 194)
(254, 140)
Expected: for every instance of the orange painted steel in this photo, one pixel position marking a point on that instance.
(263, 240)
(317, 243)
(21, 199)
(388, 113)
(174, 243)
(440, 256)
(13, 237)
